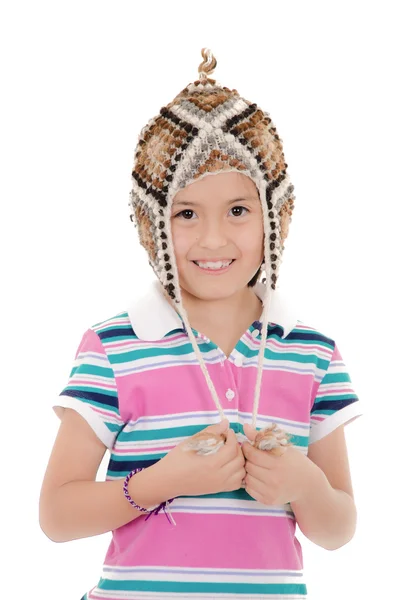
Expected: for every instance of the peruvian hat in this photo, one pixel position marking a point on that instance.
(205, 130)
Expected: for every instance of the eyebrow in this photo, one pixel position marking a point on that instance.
(243, 199)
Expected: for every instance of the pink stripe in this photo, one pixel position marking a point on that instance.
(278, 395)
(221, 541)
(333, 391)
(95, 384)
(104, 413)
(143, 344)
(288, 347)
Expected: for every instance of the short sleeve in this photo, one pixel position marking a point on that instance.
(92, 390)
(335, 402)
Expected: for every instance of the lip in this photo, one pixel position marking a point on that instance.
(217, 272)
(213, 259)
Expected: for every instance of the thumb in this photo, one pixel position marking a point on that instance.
(250, 431)
(221, 427)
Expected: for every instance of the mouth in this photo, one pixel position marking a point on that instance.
(214, 268)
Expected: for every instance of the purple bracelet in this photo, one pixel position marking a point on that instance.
(154, 510)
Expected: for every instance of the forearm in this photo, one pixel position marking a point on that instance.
(326, 516)
(80, 509)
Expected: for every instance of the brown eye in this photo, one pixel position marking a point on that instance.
(185, 212)
(239, 208)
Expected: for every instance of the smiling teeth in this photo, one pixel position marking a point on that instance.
(214, 265)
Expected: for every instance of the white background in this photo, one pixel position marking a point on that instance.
(79, 80)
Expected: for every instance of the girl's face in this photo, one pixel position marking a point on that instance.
(218, 218)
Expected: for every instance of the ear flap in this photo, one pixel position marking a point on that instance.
(285, 215)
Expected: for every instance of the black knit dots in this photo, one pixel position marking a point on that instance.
(163, 235)
(169, 276)
(167, 267)
(164, 245)
(161, 225)
(166, 257)
(273, 237)
(272, 246)
(272, 224)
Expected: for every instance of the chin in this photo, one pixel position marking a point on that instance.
(211, 291)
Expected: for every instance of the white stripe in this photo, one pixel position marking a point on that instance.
(191, 419)
(244, 576)
(93, 358)
(97, 381)
(120, 595)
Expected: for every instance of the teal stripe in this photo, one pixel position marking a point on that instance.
(95, 390)
(151, 352)
(88, 369)
(159, 434)
(337, 397)
(336, 378)
(130, 458)
(201, 587)
(187, 431)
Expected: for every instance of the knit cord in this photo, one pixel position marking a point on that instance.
(201, 361)
(262, 348)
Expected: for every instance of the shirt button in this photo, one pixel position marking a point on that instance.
(239, 361)
(230, 394)
(255, 333)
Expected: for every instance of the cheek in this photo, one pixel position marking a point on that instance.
(251, 242)
(181, 241)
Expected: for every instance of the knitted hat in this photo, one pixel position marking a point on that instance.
(208, 129)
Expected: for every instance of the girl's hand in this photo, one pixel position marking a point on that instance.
(275, 480)
(192, 474)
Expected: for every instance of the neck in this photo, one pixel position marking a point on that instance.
(219, 314)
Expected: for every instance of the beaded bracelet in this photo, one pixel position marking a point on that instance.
(156, 509)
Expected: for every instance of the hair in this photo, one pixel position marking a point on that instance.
(255, 278)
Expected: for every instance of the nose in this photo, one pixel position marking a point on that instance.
(212, 235)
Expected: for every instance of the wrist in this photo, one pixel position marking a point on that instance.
(148, 488)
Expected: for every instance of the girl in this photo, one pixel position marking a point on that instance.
(208, 348)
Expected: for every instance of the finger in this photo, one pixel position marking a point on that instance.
(218, 427)
(232, 443)
(249, 431)
(260, 473)
(236, 465)
(254, 488)
(258, 457)
(228, 451)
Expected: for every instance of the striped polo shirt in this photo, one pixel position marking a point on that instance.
(137, 382)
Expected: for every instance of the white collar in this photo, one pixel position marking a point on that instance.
(152, 317)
